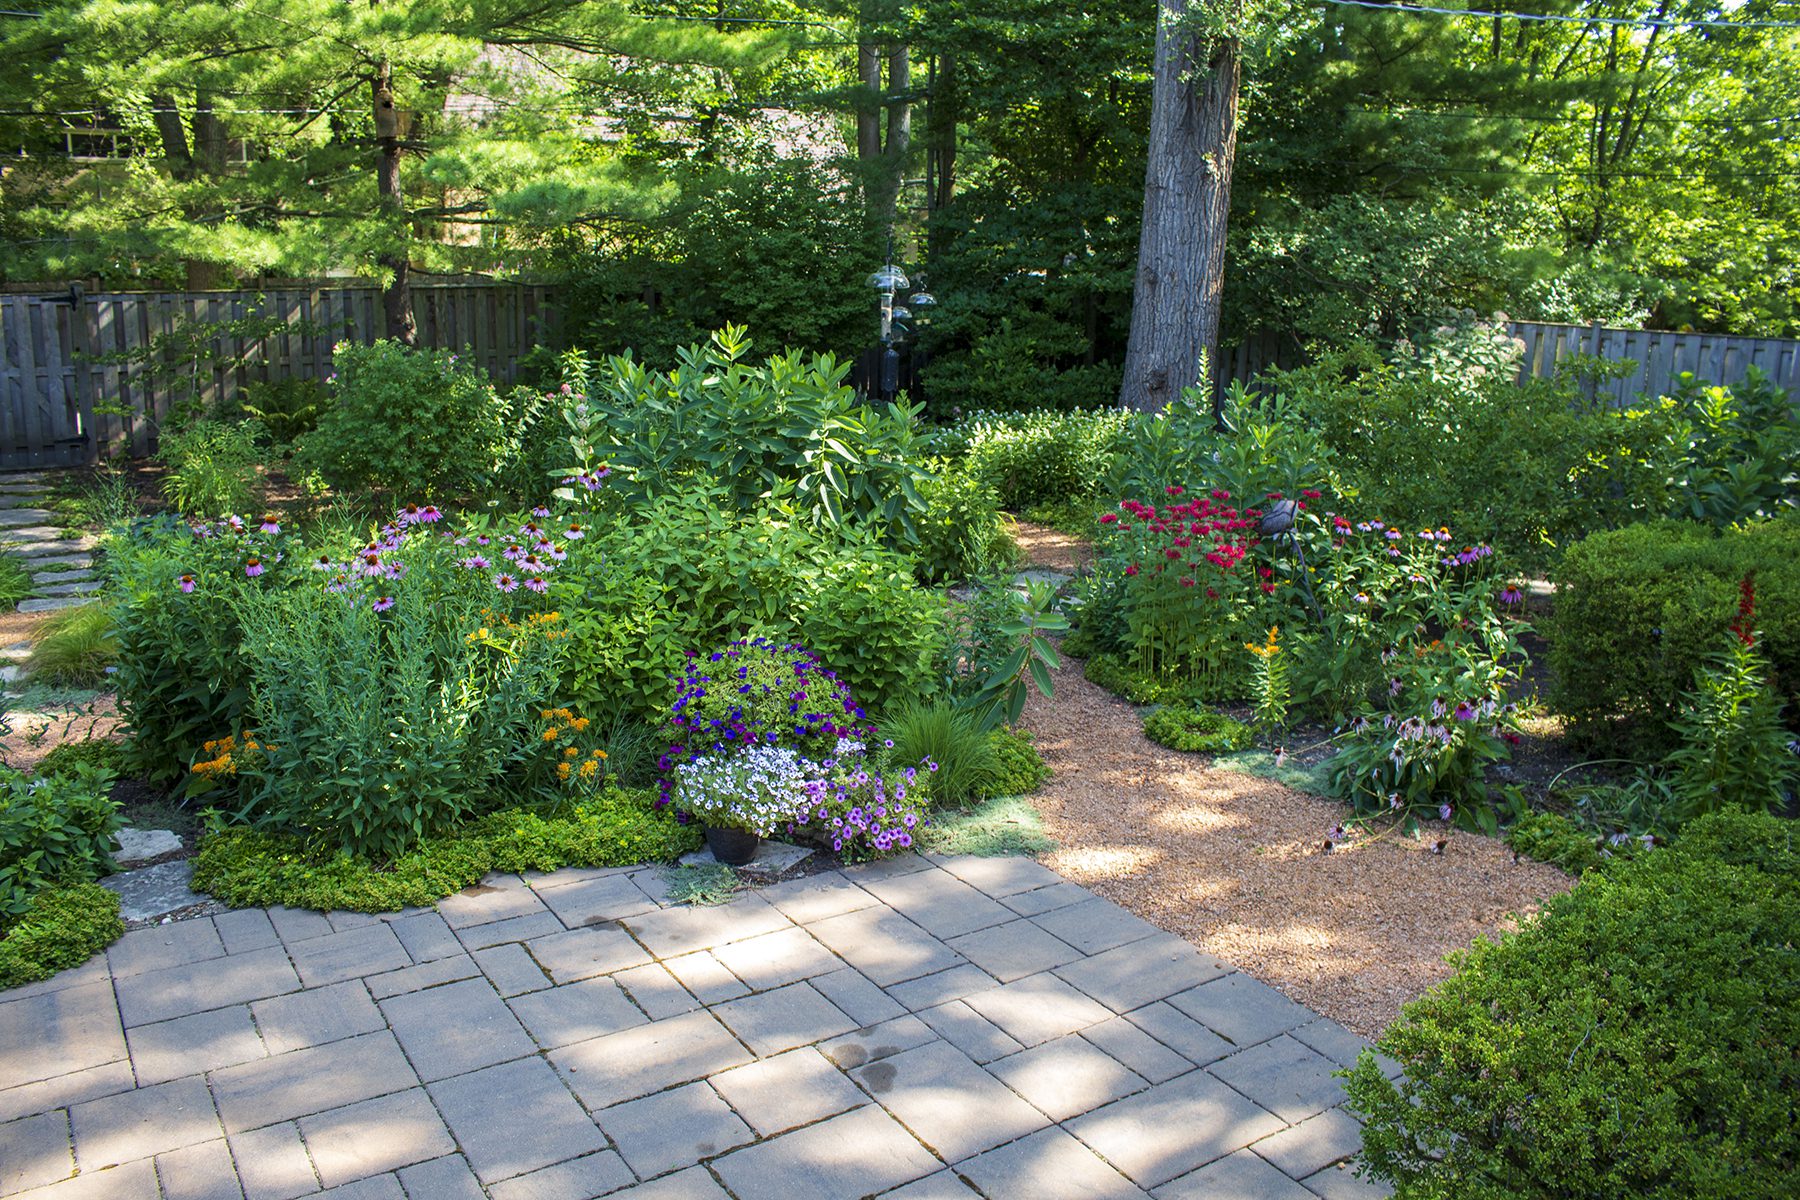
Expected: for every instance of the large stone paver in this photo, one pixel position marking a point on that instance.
(915, 1029)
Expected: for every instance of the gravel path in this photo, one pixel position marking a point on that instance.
(1237, 865)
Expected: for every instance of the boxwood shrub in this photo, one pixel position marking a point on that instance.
(1639, 608)
(1636, 1039)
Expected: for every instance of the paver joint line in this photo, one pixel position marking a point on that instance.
(921, 1028)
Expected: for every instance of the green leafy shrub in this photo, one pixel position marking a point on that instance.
(1197, 730)
(1554, 839)
(1020, 770)
(66, 758)
(961, 534)
(940, 732)
(871, 622)
(212, 466)
(1640, 609)
(74, 647)
(1636, 1039)
(1729, 454)
(1037, 457)
(425, 422)
(248, 867)
(53, 830)
(61, 927)
(1113, 673)
(789, 431)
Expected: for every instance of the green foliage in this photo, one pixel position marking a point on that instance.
(872, 624)
(62, 927)
(961, 534)
(1633, 1040)
(770, 243)
(702, 885)
(66, 758)
(1640, 609)
(1731, 452)
(15, 581)
(55, 829)
(74, 647)
(371, 730)
(789, 431)
(1001, 826)
(181, 678)
(1116, 675)
(940, 732)
(1022, 637)
(1734, 752)
(1036, 457)
(1019, 769)
(1556, 839)
(286, 409)
(420, 421)
(247, 867)
(212, 466)
(1255, 445)
(1197, 730)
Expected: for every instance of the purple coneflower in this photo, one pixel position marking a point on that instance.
(506, 583)
(382, 604)
(536, 584)
(187, 583)
(254, 567)
(270, 525)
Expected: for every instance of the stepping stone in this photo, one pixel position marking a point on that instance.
(52, 603)
(17, 652)
(11, 674)
(16, 500)
(1041, 575)
(66, 562)
(71, 589)
(46, 539)
(72, 576)
(25, 516)
(154, 892)
(772, 858)
(142, 845)
(11, 486)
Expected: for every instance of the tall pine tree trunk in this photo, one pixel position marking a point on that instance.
(1187, 198)
(396, 297)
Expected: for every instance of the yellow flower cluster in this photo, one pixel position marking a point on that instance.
(225, 754)
(498, 624)
(1268, 649)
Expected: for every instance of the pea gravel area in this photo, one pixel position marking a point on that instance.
(1237, 864)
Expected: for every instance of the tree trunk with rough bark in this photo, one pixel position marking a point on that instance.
(396, 297)
(1187, 198)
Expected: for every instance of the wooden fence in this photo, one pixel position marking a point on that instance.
(81, 374)
(1661, 356)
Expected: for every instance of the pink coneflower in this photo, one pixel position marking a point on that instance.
(506, 583)
(340, 584)
(482, 539)
(322, 563)
(514, 552)
(532, 563)
(556, 553)
(187, 583)
(382, 604)
(574, 533)
(532, 530)
(254, 567)
(409, 514)
(476, 562)
(536, 584)
(270, 525)
(236, 523)
(429, 514)
(540, 511)
(371, 562)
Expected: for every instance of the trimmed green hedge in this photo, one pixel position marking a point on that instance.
(1637, 1039)
(245, 867)
(63, 928)
(1639, 608)
(1197, 729)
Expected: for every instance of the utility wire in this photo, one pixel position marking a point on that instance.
(1560, 18)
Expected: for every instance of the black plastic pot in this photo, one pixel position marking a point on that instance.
(733, 847)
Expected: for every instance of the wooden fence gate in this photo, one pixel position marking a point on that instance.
(84, 374)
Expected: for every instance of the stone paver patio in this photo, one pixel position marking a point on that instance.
(915, 1029)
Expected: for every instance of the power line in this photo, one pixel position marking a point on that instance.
(1720, 122)
(1560, 18)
